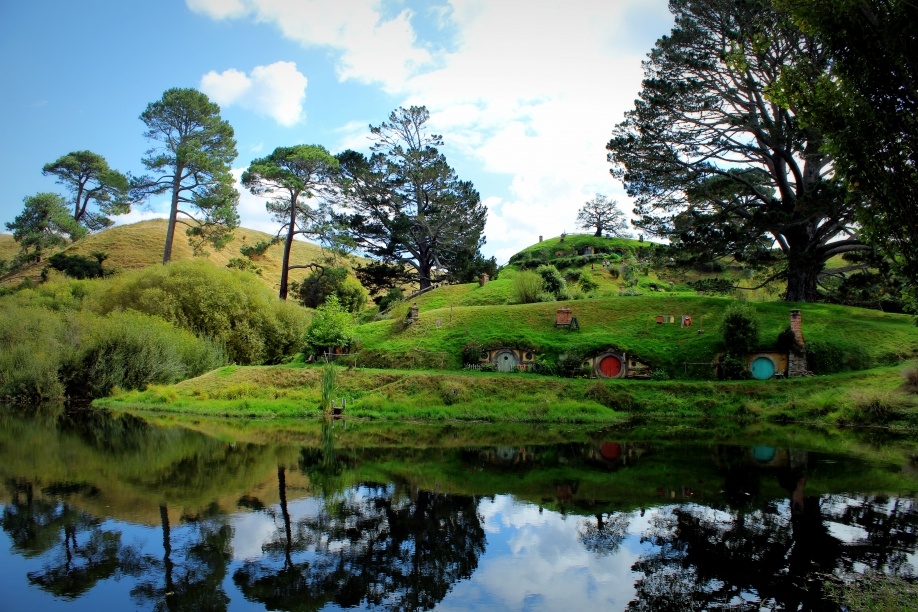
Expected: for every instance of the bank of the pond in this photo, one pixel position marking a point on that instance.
(868, 398)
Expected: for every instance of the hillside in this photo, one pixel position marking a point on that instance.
(139, 245)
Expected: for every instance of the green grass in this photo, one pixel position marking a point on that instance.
(871, 398)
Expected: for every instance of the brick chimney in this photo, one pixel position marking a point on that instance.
(796, 360)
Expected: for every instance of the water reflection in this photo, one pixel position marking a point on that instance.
(100, 509)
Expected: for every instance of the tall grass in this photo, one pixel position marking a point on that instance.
(329, 386)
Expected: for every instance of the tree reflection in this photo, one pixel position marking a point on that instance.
(386, 546)
(775, 556)
(193, 572)
(80, 552)
(605, 535)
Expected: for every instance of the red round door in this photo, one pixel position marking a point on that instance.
(610, 366)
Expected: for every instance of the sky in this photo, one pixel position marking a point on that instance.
(525, 94)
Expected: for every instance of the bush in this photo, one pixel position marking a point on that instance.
(30, 353)
(471, 353)
(826, 357)
(527, 286)
(130, 350)
(323, 282)
(570, 364)
(393, 296)
(332, 327)
(77, 266)
(739, 329)
(231, 308)
(552, 279)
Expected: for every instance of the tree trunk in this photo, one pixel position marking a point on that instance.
(288, 243)
(173, 214)
(801, 283)
(598, 233)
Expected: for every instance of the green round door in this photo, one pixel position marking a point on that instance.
(762, 368)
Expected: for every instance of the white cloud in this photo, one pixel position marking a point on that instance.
(277, 90)
(525, 94)
(371, 47)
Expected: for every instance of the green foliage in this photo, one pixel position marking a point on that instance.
(330, 280)
(552, 280)
(231, 308)
(77, 266)
(331, 327)
(471, 353)
(829, 356)
(406, 204)
(393, 296)
(43, 224)
(697, 152)
(244, 264)
(89, 179)
(378, 276)
(329, 386)
(570, 364)
(290, 177)
(130, 350)
(528, 287)
(258, 249)
(192, 163)
(739, 330)
(48, 354)
(713, 286)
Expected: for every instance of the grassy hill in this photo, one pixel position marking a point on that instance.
(139, 245)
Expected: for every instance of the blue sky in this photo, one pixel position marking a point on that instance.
(525, 94)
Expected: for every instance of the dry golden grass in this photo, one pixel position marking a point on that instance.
(140, 245)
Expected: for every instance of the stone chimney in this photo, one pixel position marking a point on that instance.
(483, 279)
(796, 359)
(540, 239)
(413, 313)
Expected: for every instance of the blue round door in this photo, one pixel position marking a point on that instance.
(762, 368)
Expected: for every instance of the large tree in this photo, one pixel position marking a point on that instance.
(867, 108)
(405, 203)
(191, 162)
(603, 214)
(44, 223)
(89, 179)
(718, 167)
(291, 177)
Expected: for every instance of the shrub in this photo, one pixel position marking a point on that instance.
(130, 350)
(231, 308)
(258, 249)
(587, 284)
(332, 327)
(323, 282)
(77, 266)
(826, 357)
(527, 286)
(30, 353)
(471, 353)
(739, 329)
(394, 295)
(570, 364)
(552, 279)
(245, 264)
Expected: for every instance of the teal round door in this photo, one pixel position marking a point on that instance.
(762, 368)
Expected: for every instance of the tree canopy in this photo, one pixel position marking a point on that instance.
(291, 177)
(718, 167)
(866, 105)
(89, 179)
(604, 215)
(405, 204)
(191, 162)
(44, 223)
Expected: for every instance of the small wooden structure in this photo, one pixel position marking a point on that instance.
(564, 317)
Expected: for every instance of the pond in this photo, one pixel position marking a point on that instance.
(109, 511)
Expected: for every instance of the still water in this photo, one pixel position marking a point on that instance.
(113, 512)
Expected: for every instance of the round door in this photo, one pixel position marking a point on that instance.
(506, 361)
(610, 366)
(762, 368)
